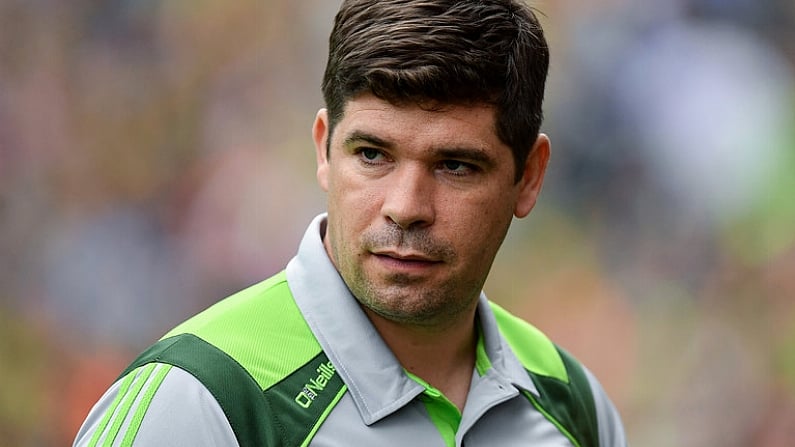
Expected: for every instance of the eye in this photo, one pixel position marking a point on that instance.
(453, 165)
(371, 157)
(370, 154)
(457, 167)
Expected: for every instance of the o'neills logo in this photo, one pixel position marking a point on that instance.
(316, 385)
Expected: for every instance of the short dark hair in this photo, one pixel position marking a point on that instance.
(442, 52)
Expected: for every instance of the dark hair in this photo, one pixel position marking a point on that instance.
(442, 52)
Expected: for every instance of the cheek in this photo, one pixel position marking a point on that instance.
(356, 202)
(479, 226)
(351, 210)
(483, 208)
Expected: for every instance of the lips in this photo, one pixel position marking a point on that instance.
(406, 257)
(406, 263)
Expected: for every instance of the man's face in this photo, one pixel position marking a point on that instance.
(419, 202)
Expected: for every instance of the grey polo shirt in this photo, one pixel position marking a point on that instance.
(383, 405)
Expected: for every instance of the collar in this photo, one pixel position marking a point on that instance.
(376, 381)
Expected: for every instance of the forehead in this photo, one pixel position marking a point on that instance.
(431, 123)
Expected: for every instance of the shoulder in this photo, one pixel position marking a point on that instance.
(225, 356)
(537, 353)
(260, 329)
(257, 304)
(569, 391)
(156, 404)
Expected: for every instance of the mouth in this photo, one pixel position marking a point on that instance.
(405, 261)
(405, 256)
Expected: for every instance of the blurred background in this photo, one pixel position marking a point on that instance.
(156, 156)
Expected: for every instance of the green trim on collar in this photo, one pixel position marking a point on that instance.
(443, 413)
(482, 361)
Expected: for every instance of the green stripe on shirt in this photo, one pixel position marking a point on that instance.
(123, 388)
(143, 406)
(127, 403)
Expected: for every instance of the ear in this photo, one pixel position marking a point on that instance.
(320, 137)
(532, 177)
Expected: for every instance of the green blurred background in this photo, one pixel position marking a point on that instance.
(156, 156)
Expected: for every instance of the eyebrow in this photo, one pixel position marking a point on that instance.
(359, 137)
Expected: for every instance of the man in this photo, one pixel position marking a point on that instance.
(377, 332)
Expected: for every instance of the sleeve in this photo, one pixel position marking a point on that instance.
(156, 405)
(611, 430)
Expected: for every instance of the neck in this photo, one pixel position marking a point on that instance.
(443, 357)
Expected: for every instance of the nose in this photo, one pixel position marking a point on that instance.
(408, 200)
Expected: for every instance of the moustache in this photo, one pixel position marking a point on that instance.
(417, 240)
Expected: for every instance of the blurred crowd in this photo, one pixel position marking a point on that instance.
(156, 156)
